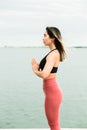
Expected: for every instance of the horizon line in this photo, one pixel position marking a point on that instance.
(8, 46)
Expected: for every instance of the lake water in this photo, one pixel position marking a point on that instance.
(21, 94)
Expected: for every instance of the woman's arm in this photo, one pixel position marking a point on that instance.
(50, 61)
(35, 67)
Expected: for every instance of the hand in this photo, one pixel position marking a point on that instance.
(35, 65)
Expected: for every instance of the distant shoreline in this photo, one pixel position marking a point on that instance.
(39, 46)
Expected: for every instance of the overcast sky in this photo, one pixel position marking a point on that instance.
(23, 22)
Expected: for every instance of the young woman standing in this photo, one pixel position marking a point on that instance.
(47, 70)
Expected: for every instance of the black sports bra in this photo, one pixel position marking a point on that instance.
(43, 62)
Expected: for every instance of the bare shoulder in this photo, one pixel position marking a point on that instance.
(54, 55)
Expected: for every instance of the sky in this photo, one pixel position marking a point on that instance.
(23, 22)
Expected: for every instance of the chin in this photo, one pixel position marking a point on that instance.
(45, 45)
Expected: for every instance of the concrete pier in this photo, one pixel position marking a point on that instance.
(48, 129)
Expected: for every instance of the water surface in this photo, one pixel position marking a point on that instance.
(21, 94)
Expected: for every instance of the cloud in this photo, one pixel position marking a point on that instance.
(20, 19)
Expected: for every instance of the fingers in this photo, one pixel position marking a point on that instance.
(33, 61)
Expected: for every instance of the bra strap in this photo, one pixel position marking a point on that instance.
(51, 51)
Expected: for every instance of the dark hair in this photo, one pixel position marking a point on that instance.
(54, 32)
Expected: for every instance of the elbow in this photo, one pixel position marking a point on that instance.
(45, 75)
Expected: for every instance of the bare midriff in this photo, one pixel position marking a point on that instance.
(51, 76)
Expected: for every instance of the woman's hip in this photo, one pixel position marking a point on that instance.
(51, 88)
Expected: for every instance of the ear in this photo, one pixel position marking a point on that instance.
(53, 39)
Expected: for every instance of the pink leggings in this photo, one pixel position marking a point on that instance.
(53, 98)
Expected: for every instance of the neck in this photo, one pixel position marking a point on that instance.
(52, 47)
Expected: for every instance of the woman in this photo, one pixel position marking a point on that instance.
(47, 70)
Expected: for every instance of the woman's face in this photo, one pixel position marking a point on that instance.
(46, 39)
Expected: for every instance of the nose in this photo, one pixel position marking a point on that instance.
(43, 38)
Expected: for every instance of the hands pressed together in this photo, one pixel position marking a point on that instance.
(35, 65)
